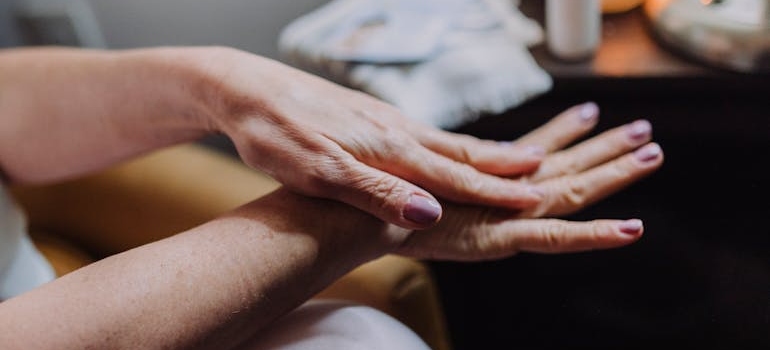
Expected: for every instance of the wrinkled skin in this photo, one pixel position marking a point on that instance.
(571, 178)
(324, 140)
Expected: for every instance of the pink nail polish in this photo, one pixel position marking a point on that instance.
(648, 153)
(639, 130)
(631, 227)
(422, 210)
(588, 112)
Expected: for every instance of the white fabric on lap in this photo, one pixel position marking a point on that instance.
(22, 267)
(336, 325)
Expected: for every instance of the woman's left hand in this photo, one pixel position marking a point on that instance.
(324, 140)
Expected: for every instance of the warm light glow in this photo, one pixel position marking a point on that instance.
(653, 8)
(616, 6)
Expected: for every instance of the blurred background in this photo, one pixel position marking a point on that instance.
(697, 69)
(246, 24)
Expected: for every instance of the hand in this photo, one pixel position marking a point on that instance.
(572, 178)
(324, 140)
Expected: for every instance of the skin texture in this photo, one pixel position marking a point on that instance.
(315, 137)
(218, 284)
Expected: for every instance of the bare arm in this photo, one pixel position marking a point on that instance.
(220, 283)
(65, 112)
(209, 287)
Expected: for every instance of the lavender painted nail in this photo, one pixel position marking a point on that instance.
(422, 210)
(589, 111)
(631, 227)
(648, 153)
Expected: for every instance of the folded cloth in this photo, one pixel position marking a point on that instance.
(442, 62)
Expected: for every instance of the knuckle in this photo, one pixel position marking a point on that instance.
(395, 142)
(566, 165)
(386, 111)
(464, 149)
(553, 233)
(379, 113)
(464, 155)
(326, 176)
(465, 179)
(321, 178)
(379, 192)
(340, 180)
(482, 241)
(392, 144)
(572, 192)
(379, 189)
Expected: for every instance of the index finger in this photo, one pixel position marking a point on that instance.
(563, 129)
(492, 157)
(461, 182)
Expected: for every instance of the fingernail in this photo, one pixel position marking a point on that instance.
(589, 111)
(639, 130)
(422, 210)
(631, 227)
(505, 143)
(648, 153)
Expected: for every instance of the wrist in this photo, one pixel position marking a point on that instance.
(341, 232)
(182, 80)
(224, 84)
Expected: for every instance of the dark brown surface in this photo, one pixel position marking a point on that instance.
(700, 276)
(628, 49)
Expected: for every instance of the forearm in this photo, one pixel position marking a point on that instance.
(205, 288)
(68, 111)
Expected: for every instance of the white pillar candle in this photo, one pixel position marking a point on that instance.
(573, 28)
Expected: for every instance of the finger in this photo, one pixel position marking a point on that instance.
(383, 195)
(477, 237)
(498, 158)
(460, 182)
(597, 150)
(563, 129)
(567, 194)
(559, 236)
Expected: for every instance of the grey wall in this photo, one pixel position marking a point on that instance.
(8, 34)
(251, 25)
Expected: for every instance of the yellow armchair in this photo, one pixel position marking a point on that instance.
(80, 221)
